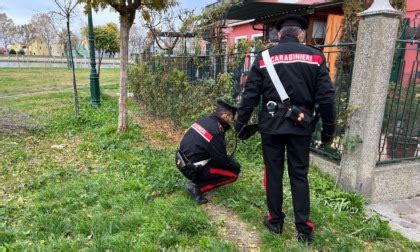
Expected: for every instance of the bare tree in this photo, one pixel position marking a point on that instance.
(25, 34)
(7, 30)
(63, 40)
(168, 26)
(127, 10)
(137, 39)
(45, 29)
(66, 9)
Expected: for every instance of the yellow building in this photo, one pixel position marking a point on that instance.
(38, 47)
(57, 50)
(18, 47)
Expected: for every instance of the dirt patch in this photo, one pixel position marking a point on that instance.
(233, 229)
(161, 133)
(15, 122)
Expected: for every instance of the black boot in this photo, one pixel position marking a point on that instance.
(304, 238)
(275, 228)
(195, 193)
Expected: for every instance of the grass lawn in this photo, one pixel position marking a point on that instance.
(78, 185)
(27, 80)
(100, 190)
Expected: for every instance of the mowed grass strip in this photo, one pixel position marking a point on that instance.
(28, 80)
(77, 184)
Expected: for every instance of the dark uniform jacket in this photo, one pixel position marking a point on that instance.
(206, 140)
(305, 77)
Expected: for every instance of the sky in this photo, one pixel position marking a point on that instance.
(21, 11)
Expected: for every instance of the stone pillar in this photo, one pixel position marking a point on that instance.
(372, 68)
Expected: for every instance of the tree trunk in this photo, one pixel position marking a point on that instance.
(49, 47)
(122, 111)
(66, 51)
(76, 97)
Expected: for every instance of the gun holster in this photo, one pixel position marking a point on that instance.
(299, 117)
(188, 169)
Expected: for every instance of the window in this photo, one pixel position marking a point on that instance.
(255, 49)
(319, 31)
(239, 38)
(319, 28)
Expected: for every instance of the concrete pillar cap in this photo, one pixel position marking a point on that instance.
(380, 7)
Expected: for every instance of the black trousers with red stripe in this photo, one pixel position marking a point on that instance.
(210, 177)
(274, 147)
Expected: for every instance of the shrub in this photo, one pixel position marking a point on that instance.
(171, 95)
(12, 52)
(21, 52)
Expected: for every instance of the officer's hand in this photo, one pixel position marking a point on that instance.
(238, 125)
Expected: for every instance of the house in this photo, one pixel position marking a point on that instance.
(57, 50)
(17, 47)
(256, 19)
(38, 47)
(412, 50)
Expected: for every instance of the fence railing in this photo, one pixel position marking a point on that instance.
(401, 126)
(205, 67)
(340, 60)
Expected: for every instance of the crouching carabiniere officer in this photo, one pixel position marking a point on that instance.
(202, 156)
(291, 78)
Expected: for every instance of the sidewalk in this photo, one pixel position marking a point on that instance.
(403, 216)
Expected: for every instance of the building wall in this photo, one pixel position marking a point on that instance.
(243, 31)
(17, 47)
(411, 54)
(57, 50)
(38, 47)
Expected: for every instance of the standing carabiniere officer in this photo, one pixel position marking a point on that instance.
(287, 123)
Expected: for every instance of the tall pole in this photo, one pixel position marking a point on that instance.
(94, 79)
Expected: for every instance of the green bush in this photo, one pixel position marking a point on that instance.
(171, 95)
(12, 52)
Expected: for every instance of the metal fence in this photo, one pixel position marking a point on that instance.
(340, 60)
(205, 67)
(401, 126)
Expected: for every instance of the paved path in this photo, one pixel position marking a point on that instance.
(403, 216)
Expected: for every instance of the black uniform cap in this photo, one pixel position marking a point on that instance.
(227, 106)
(292, 20)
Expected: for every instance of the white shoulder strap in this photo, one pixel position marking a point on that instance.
(274, 76)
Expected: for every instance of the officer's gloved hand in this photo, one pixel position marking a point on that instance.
(238, 125)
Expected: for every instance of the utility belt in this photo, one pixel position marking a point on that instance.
(186, 167)
(299, 116)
